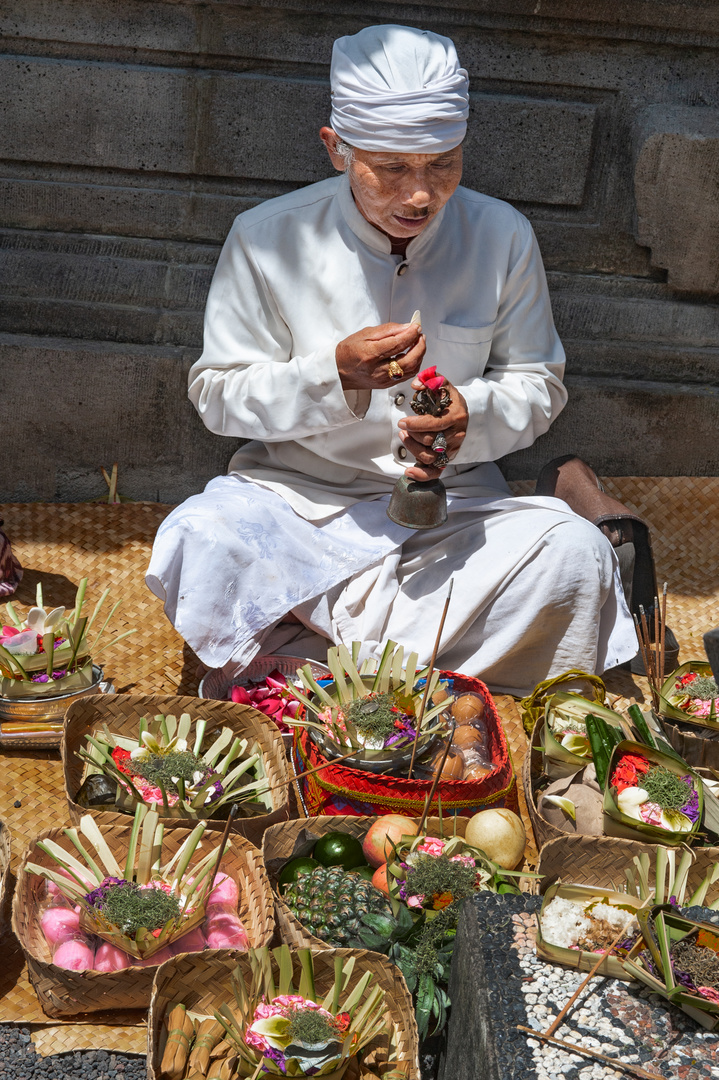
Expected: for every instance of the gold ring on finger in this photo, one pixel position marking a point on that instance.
(395, 370)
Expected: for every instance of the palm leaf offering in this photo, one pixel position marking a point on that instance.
(577, 731)
(410, 911)
(277, 1028)
(169, 767)
(142, 905)
(375, 706)
(649, 795)
(690, 694)
(679, 960)
(579, 922)
(51, 652)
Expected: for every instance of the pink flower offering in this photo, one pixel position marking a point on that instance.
(270, 697)
(224, 930)
(59, 924)
(431, 846)
(431, 379)
(224, 891)
(109, 958)
(192, 942)
(74, 956)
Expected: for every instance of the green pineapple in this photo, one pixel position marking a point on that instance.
(330, 903)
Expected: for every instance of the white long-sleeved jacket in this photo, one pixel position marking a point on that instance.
(301, 272)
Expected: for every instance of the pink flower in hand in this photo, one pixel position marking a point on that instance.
(431, 379)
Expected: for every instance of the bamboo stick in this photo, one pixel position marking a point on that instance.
(429, 677)
(223, 845)
(587, 1051)
(563, 1012)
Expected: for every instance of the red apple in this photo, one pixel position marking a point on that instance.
(385, 831)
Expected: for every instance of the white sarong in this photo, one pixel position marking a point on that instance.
(536, 589)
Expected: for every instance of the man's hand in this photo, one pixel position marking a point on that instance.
(363, 358)
(418, 432)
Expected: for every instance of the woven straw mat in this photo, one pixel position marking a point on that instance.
(59, 543)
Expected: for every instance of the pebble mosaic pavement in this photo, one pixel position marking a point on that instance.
(620, 1019)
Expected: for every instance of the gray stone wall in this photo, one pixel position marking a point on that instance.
(133, 131)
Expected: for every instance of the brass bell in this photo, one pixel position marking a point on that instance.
(418, 504)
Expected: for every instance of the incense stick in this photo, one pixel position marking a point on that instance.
(429, 677)
(653, 652)
(657, 645)
(649, 665)
(438, 777)
(308, 772)
(223, 845)
(663, 630)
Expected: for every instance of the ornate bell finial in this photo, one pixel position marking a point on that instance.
(422, 504)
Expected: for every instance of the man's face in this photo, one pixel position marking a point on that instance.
(400, 193)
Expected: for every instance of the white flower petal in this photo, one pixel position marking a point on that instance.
(629, 801)
(54, 617)
(36, 619)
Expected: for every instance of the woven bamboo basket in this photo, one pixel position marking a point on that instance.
(122, 714)
(201, 981)
(700, 749)
(531, 767)
(5, 853)
(291, 839)
(66, 993)
(600, 860)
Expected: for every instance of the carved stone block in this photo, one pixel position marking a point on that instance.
(676, 184)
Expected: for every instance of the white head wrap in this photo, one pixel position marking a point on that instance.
(397, 88)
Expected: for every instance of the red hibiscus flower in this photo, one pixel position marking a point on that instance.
(628, 771)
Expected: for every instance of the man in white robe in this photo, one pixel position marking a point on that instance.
(309, 352)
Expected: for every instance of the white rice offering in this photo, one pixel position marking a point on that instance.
(564, 922)
(570, 925)
(617, 918)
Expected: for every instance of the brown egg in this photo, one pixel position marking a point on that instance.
(476, 772)
(453, 766)
(439, 696)
(467, 707)
(467, 737)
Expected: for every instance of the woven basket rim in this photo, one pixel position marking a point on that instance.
(610, 855)
(543, 830)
